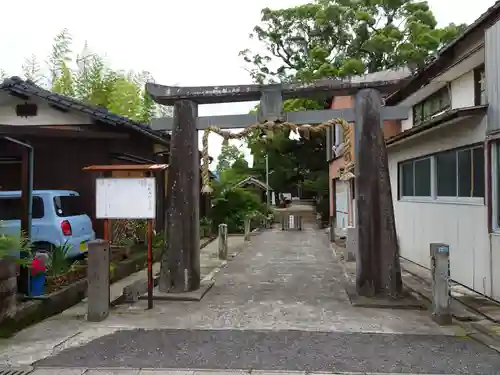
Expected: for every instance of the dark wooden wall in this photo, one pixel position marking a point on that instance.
(59, 163)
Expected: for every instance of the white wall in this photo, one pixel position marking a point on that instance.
(461, 225)
(408, 123)
(45, 116)
(462, 91)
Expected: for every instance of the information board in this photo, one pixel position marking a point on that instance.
(126, 198)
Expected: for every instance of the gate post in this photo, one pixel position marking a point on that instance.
(247, 228)
(440, 263)
(182, 255)
(223, 241)
(98, 281)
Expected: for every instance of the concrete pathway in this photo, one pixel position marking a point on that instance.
(280, 305)
(70, 328)
(80, 371)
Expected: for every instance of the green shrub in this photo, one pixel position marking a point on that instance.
(232, 206)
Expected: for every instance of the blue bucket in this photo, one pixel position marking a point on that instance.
(37, 285)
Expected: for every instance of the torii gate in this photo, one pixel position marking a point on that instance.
(378, 262)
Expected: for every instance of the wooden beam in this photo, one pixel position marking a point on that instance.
(41, 131)
(385, 81)
(303, 117)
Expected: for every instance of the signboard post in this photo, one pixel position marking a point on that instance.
(129, 198)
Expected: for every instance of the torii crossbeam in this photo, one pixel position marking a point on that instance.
(182, 258)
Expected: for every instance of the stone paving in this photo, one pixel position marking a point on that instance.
(279, 305)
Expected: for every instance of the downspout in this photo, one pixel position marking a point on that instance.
(27, 215)
(489, 210)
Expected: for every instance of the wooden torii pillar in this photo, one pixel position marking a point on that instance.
(378, 261)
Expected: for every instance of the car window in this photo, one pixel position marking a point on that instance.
(68, 205)
(11, 208)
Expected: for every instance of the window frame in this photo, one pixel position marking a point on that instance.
(495, 187)
(36, 201)
(400, 180)
(435, 198)
(480, 85)
(418, 110)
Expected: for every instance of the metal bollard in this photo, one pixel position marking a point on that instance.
(223, 241)
(247, 229)
(441, 300)
(98, 281)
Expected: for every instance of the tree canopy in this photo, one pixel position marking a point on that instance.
(228, 155)
(336, 38)
(87, 77)
(329, 39)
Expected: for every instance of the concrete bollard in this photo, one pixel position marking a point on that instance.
(440, 268)
(223, 241)
(247, 229)
(351, 247)
(98, 281)
(332, 229)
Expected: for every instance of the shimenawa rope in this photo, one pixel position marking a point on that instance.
(269, 127)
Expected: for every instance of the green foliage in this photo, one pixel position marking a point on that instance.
(12, 245)
(159, 240)
(206, 226)
(232, 206)
(228, 155)
(57, 263)
(328, 39)
(337, 38)
(88, 78)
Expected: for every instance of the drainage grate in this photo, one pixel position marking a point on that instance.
(16, 370)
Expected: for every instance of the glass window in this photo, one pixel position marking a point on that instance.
(68, 205)
(11, 208)
(407, 179)
(446, 170)
(464, 173)
(422, 177)
(480, 86)
(437, 102)
(478, 177)
(460, 173)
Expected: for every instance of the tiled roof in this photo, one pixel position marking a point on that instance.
(19, 86)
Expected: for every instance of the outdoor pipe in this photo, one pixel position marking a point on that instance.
(27, 215)
(29, 192)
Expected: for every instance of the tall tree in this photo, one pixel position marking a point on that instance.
(228, 155)
(335, 38)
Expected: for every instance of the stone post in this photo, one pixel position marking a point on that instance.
(247, 229)
(351, 248)
(98, 281)
(440, 268)
(379, 270)
(332, 228)
(223, 241)
(180, 263)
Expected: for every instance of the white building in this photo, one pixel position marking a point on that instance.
(444, 165)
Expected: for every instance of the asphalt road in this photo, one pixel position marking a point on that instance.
(283, 350)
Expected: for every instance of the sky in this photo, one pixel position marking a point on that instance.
(187, 43)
